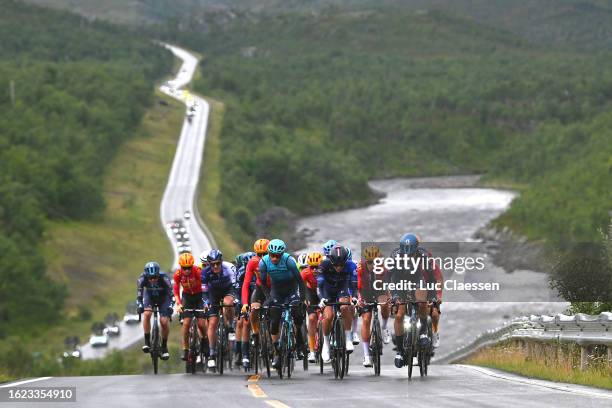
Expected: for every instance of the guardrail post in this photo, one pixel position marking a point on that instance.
(584, 357)
(609, 347)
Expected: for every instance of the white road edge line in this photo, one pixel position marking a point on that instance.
(24, 382)
(571, 388)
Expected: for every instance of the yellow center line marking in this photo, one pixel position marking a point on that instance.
(254, 378)
(257, 391)
(277, 404)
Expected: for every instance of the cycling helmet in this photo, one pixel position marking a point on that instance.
(186, 260)
(152, 270)
(302, 260)
(314, 258)
(246, 257)
(214, 255)
(328, 246)
(408, 244)
(371, 252)
(276, 246)
(338, 255)
(261, 246)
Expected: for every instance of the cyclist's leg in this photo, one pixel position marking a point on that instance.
(313, 301)
(213, 322)
(256, 301)
(420, 296)
(146, 321)
(398, 325)
(366, 321)
(165, 313)
(298, 312)
(228, 312)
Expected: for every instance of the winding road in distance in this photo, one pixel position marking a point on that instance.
(180, 194)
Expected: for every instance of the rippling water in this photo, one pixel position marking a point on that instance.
(444, 213)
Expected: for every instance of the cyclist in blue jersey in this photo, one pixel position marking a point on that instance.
(242, 323)
(333, 282)
(155, 288)
(221, 280)
(287, 286)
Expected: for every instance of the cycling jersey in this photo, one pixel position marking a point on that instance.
(333, 285)
(365, 281)
(309, 278)
(284, 276)
(252, 275)
(161, 289)
(226, 278)
(426, 271)
(191, 283)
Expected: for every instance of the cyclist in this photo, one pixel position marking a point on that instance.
(242, 324)
(188, 277)
(333, 281)
(367, 294)
(155, 288)
(221, 279)
(287, 286)
(426, 269)
(308, 276)
(252, 293)
(354, 293)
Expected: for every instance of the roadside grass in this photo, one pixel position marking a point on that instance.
(100, 260)
(511, 358)
(210, 182)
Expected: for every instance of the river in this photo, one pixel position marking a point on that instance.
(439, 209)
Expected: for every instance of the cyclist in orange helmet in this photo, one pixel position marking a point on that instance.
(189, 277)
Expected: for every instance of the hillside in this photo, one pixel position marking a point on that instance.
(584, 24)
(78, 91)
(380, 94)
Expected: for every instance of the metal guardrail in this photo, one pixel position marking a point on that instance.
(581, 329)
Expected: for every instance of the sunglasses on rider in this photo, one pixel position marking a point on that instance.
(275, 256)
(213, 264)
(186, 268)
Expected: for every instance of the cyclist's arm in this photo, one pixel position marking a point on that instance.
(140, 288)
(292, 266)
(246, 283)
(176, 287)
(263, 277)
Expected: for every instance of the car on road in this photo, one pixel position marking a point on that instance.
(187, 214)
(98, 338)
(74, 353)
(131, 316)
(112, 325)
(73, 349)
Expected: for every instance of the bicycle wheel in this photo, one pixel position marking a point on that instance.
(281, 353)
(288, 353)
(409, 352)
(156, 346)
(319, 344)
(221, 339)
(266, 344)
(376, 346)
(340, 341)
(191, 353)
(304, 345)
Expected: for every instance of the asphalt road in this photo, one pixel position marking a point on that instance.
(181, 189)
(446, 386)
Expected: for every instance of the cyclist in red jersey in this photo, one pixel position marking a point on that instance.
(256, 298)
(367, 294)
(308, 276)
(189, 278)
